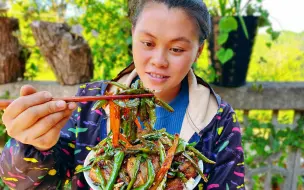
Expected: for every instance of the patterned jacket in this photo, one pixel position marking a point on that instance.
(208, 117)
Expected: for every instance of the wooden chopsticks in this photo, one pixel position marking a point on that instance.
(5, 103)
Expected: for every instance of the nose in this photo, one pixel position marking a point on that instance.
(160, 58)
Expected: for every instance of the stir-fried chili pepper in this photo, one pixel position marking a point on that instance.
(124, 176)
(115, 123)
(100, 178)
(164, 105)
(132, 91)
(133, 132)
(162, 152)
(100, 144)
(143, 110)
(99, 104)
(200, 155)
(167, 164)
(182, 176)
(135, 85)
(151, 176)
(119, 85)
(125, 140)
(162, 185)
(118, 159)
(134, 172)
(127, 104)
(196, 167)
(144, 150)
(83, 169)
(181, 146)
(138, 124)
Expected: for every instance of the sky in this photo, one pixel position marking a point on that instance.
(286, 14)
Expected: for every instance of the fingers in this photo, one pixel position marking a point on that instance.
(47, 123)
(27, 90)
(42, 114)
(49, 139)
(25, 102)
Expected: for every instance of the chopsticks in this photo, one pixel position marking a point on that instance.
(5, 103)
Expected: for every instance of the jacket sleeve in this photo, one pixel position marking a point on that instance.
(24, 167)
(228, 172)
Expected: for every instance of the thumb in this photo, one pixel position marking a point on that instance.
(27, 90)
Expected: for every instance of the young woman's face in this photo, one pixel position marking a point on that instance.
(165, 44)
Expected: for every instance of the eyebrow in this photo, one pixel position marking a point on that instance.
(184, 39)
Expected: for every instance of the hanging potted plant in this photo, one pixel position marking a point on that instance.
(234, 28)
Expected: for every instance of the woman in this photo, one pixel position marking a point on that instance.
(49, 141)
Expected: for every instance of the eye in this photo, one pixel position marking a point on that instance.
(148, 44)
(177, 50)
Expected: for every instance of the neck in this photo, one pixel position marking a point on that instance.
(168, 95)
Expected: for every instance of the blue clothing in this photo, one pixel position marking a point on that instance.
(173, 121)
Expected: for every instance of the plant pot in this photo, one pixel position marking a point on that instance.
(233, 73)
(12, 61)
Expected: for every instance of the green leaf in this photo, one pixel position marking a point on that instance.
(228, 24)
(224, 55)
(222, 38)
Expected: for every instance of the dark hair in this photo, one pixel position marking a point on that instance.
(195, 8)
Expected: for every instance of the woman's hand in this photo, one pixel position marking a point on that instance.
(36, 120)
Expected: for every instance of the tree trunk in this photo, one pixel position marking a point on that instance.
(68, 55)
(12, 63)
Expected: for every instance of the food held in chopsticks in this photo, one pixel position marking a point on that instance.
(136, 156)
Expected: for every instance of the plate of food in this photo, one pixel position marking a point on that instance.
(136, 156)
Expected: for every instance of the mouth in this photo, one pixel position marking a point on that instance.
(157, 75)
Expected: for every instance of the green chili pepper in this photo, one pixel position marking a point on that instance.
(100, 144)
(135, 85)
(144, 150)
(100, 178)
(182, 176)
(133, 132)
(124, 176)
(118, 159)
(133, 103)
(148, 125)
(162, 153)
(151, 176)
(164, 105)
(99, 104)
(129, 104)
(150, 102)
(162, 185)
(196, 167)
(132, 91)
(143, 110)
(126, 127)
(200, 155)
(119, 85)
(124, 187)
(181, 146)
(120, 103)
(83, 169)
(134, 172)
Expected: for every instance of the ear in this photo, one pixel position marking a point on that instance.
(199, 51)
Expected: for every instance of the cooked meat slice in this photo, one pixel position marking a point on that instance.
(155, 162)
(93, 176)
(175, 184)
(187, 169)
(142, 175)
